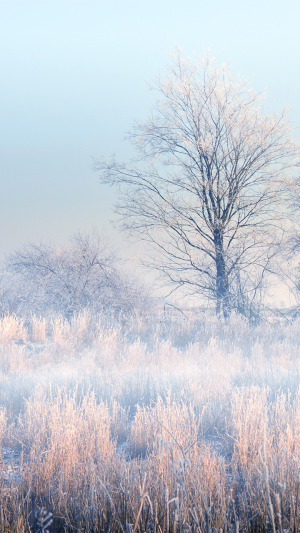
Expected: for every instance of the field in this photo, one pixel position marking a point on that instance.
(166, 423)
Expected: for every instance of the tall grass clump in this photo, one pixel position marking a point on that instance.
(142, 423)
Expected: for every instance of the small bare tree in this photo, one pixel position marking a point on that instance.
(83, 274)
(209, 201)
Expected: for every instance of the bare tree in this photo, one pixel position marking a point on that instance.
(83, 274)
(209, 200)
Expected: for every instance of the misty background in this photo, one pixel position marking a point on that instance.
(74, 77)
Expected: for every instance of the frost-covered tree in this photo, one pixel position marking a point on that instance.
(43, 279)
(207, 186)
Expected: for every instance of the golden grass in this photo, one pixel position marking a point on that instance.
(111, 431)
(38, 329)
(11, 330)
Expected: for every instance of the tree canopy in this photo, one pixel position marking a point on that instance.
(206, 189)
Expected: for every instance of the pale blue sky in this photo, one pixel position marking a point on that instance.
(73, 77)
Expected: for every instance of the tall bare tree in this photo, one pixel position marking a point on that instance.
(207, 185)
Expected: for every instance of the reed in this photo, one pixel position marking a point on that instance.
(104, 427)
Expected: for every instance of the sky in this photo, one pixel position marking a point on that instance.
(73, 77)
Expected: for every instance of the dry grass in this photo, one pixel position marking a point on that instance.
(185, 425)
(38, 329)
(12, 330)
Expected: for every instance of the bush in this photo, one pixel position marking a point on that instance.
(42, 279)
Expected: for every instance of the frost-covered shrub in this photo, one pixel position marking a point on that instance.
(43, 279)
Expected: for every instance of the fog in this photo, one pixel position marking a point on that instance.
(125, 406)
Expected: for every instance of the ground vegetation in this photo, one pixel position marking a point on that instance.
(178, 423)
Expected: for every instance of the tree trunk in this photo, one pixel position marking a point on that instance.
(222, 284)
